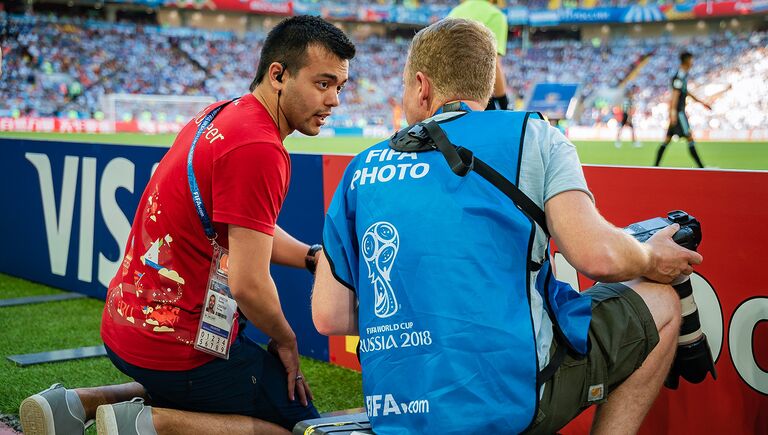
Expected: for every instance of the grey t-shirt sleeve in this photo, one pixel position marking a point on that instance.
(562, 168)
(550, 165)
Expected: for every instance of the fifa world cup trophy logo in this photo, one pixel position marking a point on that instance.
(379, 245)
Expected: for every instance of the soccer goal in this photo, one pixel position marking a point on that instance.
(160, 108)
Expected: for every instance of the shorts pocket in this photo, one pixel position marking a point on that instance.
(585, 380)
(564, 397)
(574, 380)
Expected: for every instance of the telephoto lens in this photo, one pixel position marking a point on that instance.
(694, 358)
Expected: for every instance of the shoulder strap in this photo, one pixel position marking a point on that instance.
(462, 161)
(521, 200)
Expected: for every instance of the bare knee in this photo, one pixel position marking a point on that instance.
(662, 301)
(673, 314)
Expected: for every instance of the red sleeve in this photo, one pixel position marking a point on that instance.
(249, 186)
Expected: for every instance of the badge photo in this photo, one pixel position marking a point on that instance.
(211, 307)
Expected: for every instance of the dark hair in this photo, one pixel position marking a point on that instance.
(287, 43)
(684, 56)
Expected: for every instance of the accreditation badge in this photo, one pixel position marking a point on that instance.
(217, 317)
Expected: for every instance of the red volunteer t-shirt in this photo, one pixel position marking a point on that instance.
(154, 302)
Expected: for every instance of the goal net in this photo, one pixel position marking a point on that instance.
(159, 108)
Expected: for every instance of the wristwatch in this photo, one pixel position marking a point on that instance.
(309, 260)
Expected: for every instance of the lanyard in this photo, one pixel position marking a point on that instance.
(197, 198)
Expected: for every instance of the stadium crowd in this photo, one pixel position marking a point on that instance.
(62, 67)
(530, 4)
(730, 71)
(568, 61)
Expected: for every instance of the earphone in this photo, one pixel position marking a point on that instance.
(279, 77)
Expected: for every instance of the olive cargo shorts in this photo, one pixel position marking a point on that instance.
(621, 335)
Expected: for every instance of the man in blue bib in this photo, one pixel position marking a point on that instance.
(447, 281)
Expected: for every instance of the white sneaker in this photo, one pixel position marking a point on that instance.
(618, 144)
(124, 418)
(637, 144)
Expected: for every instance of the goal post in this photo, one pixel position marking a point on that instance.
(159, 108)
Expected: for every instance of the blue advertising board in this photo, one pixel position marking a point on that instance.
(68, 207)
(552, 99)
(631, 14)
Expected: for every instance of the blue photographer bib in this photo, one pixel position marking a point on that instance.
(441, 267)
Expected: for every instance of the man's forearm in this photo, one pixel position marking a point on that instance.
(659, 258)
(261, 306)
(694, 98)
(334, 307)
(626, 258)
(287, 250)
(251, 283)
(697, 99)
(592, 245)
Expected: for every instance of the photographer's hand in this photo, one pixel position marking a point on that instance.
(668, 260)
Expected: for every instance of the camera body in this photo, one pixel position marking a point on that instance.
(688, 236)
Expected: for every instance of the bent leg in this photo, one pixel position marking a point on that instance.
(251, 383)
(172, 422)
(628, 404)
(133, 417)
(622, 334)
(94, 397)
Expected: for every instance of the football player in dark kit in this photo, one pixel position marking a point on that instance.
(627, 110)
(678, 121)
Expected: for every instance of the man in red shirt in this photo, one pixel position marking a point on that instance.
(238, 174)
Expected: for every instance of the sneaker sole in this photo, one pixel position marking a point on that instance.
(36, 416)
(106, 423)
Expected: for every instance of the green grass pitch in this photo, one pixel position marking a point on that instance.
(724, 155)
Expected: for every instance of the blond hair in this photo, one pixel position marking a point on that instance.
(458, 55)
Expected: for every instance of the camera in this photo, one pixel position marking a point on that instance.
(693, 359)
(688, 236)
